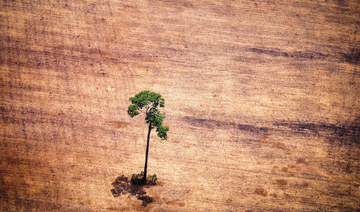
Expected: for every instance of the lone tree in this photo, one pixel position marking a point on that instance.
(147, 102)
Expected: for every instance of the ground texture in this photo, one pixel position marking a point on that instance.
(262, 100)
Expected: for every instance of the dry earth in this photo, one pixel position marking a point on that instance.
(262, 100)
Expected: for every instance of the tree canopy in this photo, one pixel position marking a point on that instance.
(147, 102)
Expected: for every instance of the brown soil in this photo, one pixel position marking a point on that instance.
(262, 100)
(260, 191)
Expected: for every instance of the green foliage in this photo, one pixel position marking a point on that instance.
(138, 179)
(143, 99)
(147, 102)
(162, 132)
(132, 111)
(151, 180)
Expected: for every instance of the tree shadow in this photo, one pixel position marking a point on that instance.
(123, 186)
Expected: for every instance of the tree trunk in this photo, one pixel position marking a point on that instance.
(147, 153)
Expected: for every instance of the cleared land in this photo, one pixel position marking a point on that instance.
(262, 100)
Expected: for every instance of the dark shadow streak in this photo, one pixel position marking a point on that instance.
(349, 133)
(210, 123)
(298, 55)
(346, 133)
(353, 57)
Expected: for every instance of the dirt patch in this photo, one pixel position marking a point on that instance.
(285, 169)
(278, 145)
(228, 200)
(281, 183)
(261, 191)
(175, 203)
(301, 161)
(122, 186)
(119, 124)
(305, 184)
(274, 195)
(302, 185)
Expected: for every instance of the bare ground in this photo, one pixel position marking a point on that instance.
(262, 100)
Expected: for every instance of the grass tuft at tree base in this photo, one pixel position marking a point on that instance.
(137, 179)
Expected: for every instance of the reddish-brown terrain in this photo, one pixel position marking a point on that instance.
(262, 100)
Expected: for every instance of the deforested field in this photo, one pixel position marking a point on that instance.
(262, 100)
